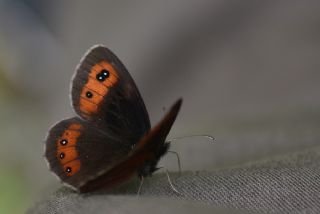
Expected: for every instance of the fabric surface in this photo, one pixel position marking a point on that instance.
(285, 184)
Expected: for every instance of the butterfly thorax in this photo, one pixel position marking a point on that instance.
(150, 167)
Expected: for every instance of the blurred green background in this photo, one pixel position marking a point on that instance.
(248, 72)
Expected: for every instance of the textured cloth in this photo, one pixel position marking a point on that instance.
(286, 184)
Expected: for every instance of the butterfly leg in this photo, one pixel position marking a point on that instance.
(169, 180)
(178, 159)
(141, 183)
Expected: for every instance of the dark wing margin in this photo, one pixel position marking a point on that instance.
(146, 153)
(104, 93)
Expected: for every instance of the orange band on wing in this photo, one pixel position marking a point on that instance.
(66, 149)
(102, 76)
(72, 167)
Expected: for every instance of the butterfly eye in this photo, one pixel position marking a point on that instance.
(103, 75)
(89, 94)
(63, 142)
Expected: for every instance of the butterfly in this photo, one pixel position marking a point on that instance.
(111, 139)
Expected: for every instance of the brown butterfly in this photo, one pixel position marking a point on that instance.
(111, 139)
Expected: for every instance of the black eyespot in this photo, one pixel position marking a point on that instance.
(89, 94)
(63, 142)
(103, 75)
(68, 169)
(62, 155)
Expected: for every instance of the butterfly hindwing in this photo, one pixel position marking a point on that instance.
(77, 151)
(104, 93)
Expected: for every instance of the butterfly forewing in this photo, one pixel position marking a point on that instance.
(104, 93)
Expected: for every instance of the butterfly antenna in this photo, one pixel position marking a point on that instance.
(169, 180)
(178, 159)
(140, 186)
(211, 138)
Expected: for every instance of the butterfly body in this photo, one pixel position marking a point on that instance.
(111, 139)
